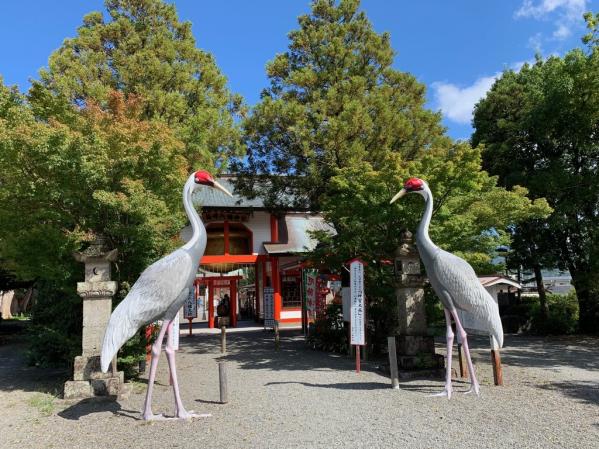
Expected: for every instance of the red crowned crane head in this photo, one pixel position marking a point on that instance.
(411, 185)
(202, 177)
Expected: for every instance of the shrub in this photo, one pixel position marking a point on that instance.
(562, 318)
(329, 333)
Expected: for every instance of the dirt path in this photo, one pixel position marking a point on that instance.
(297, 397)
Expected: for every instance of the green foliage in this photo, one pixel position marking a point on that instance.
(144, 50)
(339, 130)
(329, 333)
(539, 130)
(55, 333)
(102, 144)
(562, 318)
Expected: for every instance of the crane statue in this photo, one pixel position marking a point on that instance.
(158, 294)
(456, 284)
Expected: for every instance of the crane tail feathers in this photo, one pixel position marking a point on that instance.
(120, 329)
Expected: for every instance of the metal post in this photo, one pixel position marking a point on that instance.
(222, 381)
(223, 339)
(358, 359)
(393, 363)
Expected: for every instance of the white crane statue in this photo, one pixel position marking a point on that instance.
(158, 294)
(456, 284)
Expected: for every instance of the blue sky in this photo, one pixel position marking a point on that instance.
(455, 48)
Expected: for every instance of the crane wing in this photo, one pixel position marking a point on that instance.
(156, 289)
(459, 280)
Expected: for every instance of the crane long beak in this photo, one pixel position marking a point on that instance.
(221, 188)
(399, 194)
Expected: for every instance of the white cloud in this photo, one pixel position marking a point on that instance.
(564, 14)
(457, 103)
(536, 43)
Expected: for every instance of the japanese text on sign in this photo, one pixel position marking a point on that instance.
(356, 281)
(190, 308)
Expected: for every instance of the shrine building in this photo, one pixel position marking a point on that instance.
(253, 256)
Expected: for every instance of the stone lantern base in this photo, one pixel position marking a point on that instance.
(89, 381)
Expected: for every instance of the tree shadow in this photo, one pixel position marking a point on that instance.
(551, 352)
(96, 405)
(15, 374)
(255, 350)
(584, 391)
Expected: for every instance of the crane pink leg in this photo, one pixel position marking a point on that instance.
(156, 348)
(474, 386)
(180, 411)
(447, 391)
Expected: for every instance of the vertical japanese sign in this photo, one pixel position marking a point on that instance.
(356, 282)
(311, 292)
(269, 307)
(190, 308)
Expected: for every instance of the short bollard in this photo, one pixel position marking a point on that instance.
(223, 339)
(277, 336)
(222, 381)
(393, 363)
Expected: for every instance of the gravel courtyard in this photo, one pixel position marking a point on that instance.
(297, 397)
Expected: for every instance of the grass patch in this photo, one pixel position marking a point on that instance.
(44, 403)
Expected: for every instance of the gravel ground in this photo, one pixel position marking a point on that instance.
(297, 397)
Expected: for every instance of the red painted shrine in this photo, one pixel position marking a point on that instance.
(251, 251)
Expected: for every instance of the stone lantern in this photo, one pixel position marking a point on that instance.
(415, 348)
(97, 292)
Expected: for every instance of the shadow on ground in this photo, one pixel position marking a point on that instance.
(90, 406)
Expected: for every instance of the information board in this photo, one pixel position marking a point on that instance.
(269, 307)
(190, 308)
(356, 282)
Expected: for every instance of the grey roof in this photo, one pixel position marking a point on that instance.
(215, 198)
(295, 234)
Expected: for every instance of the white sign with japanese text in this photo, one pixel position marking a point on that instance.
(190, 308)
(356, 283)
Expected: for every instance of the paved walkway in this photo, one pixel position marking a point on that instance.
(297, 397)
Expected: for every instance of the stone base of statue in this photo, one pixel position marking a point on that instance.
(416, 357)
(89, 381)
(415, 349)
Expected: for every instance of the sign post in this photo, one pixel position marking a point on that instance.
(190, 308)
(269, 308)
(357, 322)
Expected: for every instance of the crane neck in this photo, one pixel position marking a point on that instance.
(424, 242)
(196, 223)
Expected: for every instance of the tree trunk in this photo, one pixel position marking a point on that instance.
(6, 304)
(542, 293)
(587, 292)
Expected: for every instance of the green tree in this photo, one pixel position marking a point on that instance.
(539, 128)
(334, 102)
(339, 130)
(143, 49)
(102, 144)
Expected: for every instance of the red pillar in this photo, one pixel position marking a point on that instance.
(276, 285)
(210, 305)
(257, 287)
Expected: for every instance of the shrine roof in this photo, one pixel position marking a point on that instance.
(214, 198)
